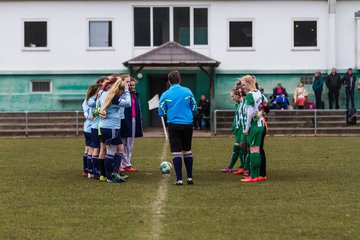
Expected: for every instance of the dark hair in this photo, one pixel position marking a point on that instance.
(92, 90)
(174, 77)
(100, 80)
(350, 69)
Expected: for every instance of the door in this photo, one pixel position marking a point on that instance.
(159, 84)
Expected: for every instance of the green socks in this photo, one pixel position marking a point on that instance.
(255, 160)
(234, 156)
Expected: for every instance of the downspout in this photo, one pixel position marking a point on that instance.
(331, 51)
(357, 39)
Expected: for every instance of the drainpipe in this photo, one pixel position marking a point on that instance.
(331, 51)
(357, 40)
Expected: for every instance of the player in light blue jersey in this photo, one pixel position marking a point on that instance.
(98, 163)
(112, 102)
(87, 157)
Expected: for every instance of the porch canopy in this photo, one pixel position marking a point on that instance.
(173, 55)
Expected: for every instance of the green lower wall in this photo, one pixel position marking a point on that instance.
(68, 90)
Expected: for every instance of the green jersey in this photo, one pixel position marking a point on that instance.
(242, 113)
(254, 101)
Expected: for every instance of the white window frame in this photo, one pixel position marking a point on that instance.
(293, 48)
(88, 48)
(35, 49)
(171, 24)
(40, 80)
(229, 48)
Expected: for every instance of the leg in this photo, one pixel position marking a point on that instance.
(263, 156)
(330, 96)
(347, 93)
(188, 157)
(176, 149)
(125, 161)
(336, 96)
(352, 98)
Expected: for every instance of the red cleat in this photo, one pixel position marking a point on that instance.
(85, 174)
(250, 179)
(130, 169)
(239, 172)
(262, 178)
(121, 169)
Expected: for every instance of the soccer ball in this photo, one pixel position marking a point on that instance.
(165, 167)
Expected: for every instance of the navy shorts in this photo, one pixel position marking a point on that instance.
(87, 139)
(180, 137)
(111, 136)
(95, 140)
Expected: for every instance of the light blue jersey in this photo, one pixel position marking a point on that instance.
(113, 112)
(92, 102)
(177, 104)
(87, 113)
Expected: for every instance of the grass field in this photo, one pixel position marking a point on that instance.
(312, 193)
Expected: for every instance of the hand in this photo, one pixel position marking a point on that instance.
(246, 132)
(102, 114)
(91, 117)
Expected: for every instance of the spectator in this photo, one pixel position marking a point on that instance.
(349, 81)
(333, 83)
(203, 112)
(300, 96)
(318, 88)
(280, 97)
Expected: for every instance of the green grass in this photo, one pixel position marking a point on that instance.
(312, 193)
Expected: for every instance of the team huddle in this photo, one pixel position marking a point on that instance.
(112, 112)
(113, 120)
(249, 127)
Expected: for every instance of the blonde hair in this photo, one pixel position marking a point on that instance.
(116, 90)
(251, 80)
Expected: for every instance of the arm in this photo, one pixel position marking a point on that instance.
(162, 109)
(193, 105)
(123, 100)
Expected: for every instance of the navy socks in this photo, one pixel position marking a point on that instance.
(89, 163)
(117, 162)
(188, 159)
(178, 166)
(109, 161)
(85, 168)
(95, 162)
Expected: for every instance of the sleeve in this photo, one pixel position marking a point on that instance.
(162, 109)
(285, 93)
(123, 100)
(193, 105)
(92, 102)
(250, 99)
(86, 110)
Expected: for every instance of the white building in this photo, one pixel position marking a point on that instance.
(50, 51)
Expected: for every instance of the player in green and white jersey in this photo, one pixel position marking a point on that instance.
(254, 126)
(235, 129)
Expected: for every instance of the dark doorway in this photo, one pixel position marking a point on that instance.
(158, 85)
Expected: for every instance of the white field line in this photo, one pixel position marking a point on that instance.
(158, 210)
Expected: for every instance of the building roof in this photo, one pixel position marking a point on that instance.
(172, 54)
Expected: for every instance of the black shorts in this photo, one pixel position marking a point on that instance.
(180, 137)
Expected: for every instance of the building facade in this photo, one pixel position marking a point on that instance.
(51, 51)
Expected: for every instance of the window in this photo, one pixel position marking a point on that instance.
(200, 26)
(307, 80)
(185, 25)
(182, 25)
(142, 26)
(305, 33)
(100, 34)
(35, 34)
(240, 34)
(40, 86)
(161, 31)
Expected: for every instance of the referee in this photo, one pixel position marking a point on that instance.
(177, 104)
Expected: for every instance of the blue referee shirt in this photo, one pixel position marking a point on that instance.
(178, 105)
